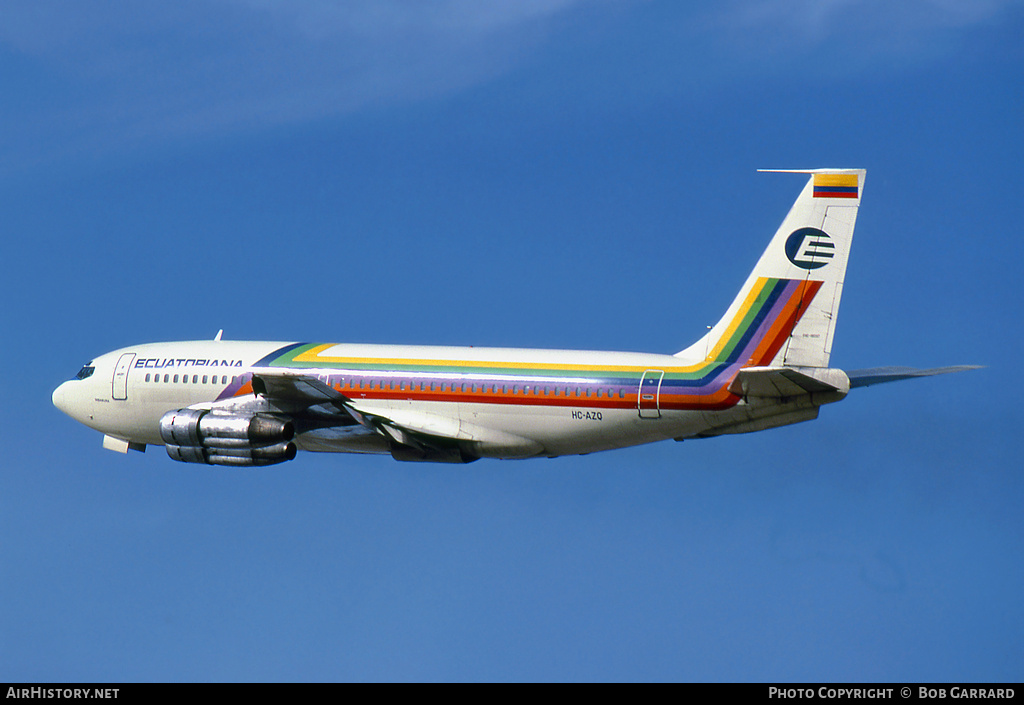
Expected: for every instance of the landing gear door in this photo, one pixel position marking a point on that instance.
(120, 390)
(650, 389)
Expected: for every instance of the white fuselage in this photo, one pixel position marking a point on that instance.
(507, 403)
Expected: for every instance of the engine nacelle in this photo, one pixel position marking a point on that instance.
(238, 457)
(204, 436)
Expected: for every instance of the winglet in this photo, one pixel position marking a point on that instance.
(219, 334)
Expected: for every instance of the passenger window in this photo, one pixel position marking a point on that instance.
(195, 379)
(175, 379)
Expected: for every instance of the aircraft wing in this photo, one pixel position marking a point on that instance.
(297, 389)
(412, 434)
(878, 375)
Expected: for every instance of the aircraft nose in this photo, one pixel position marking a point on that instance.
(60, 398)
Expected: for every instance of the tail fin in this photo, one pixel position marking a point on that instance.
(785, 314)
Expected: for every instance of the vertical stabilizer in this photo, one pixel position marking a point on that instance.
(785, 314)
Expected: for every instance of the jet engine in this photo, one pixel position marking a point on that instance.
(217, 438)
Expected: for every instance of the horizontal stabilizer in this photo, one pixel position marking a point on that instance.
(878, 375)
(788, 381)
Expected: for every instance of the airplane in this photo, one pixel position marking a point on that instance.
(765, 364)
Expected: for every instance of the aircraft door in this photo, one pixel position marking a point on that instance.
(120, 382)
(650, 389)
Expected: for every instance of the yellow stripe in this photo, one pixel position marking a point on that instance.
(755, 291)
(312, 355)
(835, 179)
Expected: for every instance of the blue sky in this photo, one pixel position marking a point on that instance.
(549, 173)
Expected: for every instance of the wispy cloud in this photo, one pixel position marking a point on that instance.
(872, 30)
(144, 70)
(94, 76)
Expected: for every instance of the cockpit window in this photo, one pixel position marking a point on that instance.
(86, 371)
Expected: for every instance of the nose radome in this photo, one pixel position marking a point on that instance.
(60, 397)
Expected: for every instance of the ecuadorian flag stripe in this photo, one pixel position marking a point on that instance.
(835, 186)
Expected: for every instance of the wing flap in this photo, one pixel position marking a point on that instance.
(406, 425)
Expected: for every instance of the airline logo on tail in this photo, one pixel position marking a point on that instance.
(809, 248)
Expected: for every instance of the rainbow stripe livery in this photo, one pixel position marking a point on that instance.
(755, 336)
(764, 364)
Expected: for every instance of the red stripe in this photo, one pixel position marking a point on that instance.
(834, 194)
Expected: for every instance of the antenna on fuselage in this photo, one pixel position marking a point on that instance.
(219, 334)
